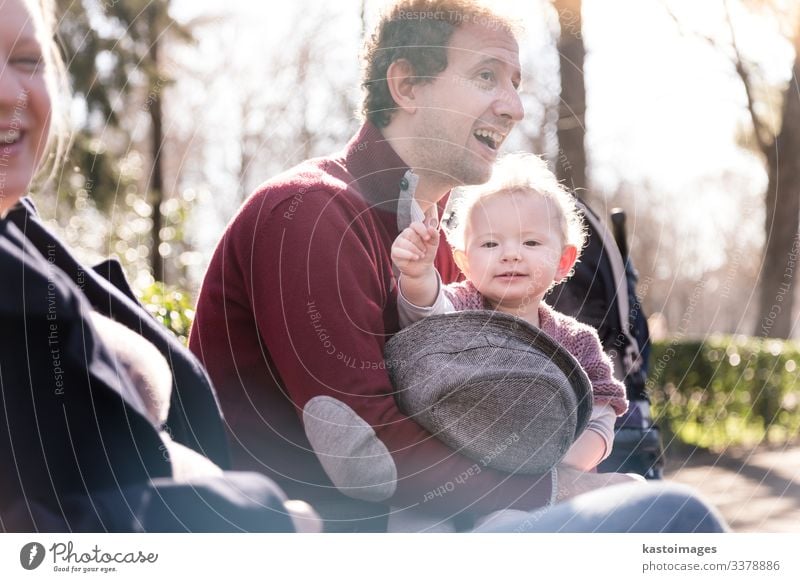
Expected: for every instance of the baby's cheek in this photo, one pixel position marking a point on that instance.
(537, 274)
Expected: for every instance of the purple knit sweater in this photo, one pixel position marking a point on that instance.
(578, 339)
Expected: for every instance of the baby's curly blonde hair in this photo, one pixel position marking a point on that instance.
(513, 173)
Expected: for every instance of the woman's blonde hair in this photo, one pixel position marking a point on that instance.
(43, 14)
(519, 172)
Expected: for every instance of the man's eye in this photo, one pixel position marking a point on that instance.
(487, 76)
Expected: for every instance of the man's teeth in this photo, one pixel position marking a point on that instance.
(492, 137)
(9, 136)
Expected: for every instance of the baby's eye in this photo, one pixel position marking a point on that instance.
(531, 243)
(29, 63)
(489, 244)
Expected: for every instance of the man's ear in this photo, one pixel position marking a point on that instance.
(460, 258)
(568, 257)
(402, 86)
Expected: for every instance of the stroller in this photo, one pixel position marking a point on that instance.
(602, 293)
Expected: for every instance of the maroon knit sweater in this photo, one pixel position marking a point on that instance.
(298, 301)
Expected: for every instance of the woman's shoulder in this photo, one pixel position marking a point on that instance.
(32, 284)
(18, 256)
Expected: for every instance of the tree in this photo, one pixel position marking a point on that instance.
(115, 56)
(571, 162)
(782, 205)
(776, 138)
(90, 165)
(305, 109)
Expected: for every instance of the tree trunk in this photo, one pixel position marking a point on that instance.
(571, 163)
(363, 20)
(156, 189)
(782, 217)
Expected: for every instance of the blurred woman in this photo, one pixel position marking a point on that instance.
(107, 422)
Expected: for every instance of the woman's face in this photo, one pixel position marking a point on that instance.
(24, 102)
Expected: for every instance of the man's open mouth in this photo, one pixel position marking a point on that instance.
(492, 139)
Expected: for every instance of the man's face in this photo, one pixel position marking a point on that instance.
(467, 111)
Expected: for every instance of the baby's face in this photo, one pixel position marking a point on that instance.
(513, 249)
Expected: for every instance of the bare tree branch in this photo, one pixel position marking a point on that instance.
(739, 66)
(744, 75)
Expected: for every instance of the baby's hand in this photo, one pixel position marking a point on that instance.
(414, 249)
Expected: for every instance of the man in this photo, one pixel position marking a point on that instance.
(300, 296)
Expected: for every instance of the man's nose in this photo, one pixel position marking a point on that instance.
(509, 105)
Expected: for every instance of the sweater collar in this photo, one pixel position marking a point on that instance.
(547, 321)
(384, 180)
(378, 170)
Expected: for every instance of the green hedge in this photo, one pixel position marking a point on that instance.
(170, 306)
(726, 390)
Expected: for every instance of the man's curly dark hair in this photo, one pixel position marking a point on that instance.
(418, 31)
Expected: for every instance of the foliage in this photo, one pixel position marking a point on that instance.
(726, 390)
(172, 308)
(118, 80)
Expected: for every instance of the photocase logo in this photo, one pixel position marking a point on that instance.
(31, 555)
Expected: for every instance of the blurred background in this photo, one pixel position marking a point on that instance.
(686, 114)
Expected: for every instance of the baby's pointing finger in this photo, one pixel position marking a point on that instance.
(421, 230)
(414, 245)
(404, 255)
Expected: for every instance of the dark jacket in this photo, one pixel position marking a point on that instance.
(76, 449)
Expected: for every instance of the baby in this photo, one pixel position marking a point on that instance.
(514, 237)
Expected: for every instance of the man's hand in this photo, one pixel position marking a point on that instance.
(572, 482)
(414, 249)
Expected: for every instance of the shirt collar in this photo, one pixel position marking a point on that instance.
(384, 179)
(408, 209)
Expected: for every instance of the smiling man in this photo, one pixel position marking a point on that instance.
(300, 296)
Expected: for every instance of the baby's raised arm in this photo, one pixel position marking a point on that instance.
(413, 253)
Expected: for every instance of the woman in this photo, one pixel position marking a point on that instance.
(109, 424)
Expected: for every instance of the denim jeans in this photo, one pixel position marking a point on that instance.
(636, 508)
